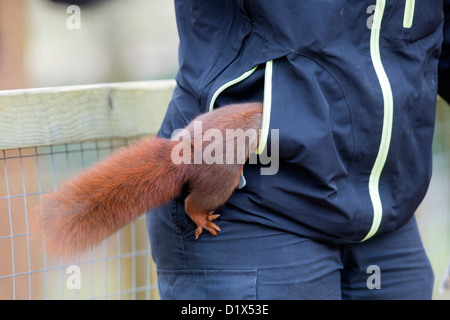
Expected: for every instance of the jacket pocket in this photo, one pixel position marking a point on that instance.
(267, 100)
(410, 21)
(207, 284)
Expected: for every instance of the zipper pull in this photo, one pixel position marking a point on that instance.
(242, 182)
(409, 13)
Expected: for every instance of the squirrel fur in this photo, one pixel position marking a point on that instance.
(100, 200)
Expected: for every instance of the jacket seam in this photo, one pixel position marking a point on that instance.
(351, 125)
(345, 99)
(207, 78)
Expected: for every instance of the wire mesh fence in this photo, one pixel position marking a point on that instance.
(120, 268)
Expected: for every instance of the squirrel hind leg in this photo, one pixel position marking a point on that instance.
(202, 218)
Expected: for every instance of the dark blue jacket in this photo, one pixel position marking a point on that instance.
(352, 90)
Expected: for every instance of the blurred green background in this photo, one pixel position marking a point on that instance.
(433, 214)
(118, 41)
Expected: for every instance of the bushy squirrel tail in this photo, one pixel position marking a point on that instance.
(104, 198)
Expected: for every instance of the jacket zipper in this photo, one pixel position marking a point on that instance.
(267, 107)
(229, 84)
(388, 105)
(409, 13)
(267, 103)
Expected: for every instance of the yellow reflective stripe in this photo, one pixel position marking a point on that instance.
(388, 100)
(267, 107)
(229, 84)
(409, 13)
(267, 103)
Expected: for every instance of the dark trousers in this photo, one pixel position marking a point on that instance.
(250, 261)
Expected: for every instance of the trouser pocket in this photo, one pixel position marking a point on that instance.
(207, 284)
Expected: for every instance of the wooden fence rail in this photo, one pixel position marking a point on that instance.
(51, 116)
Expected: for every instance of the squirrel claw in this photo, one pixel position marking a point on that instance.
(198, 232)
(208, 225)
(213, 216)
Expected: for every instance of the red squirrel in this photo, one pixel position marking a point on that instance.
(115, 191)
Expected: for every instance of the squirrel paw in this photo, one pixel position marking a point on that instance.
(205, 222)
